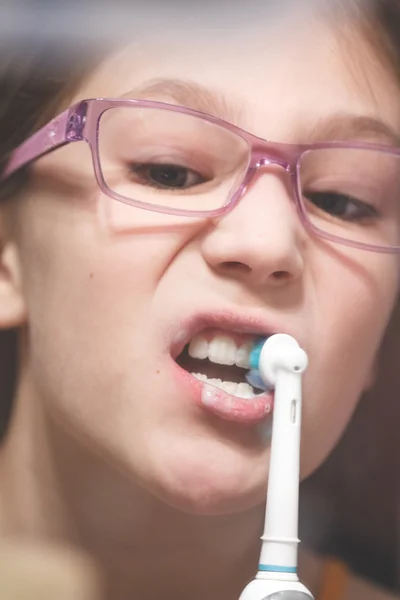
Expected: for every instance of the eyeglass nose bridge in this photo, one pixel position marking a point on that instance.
(262, 158)
(269, 161)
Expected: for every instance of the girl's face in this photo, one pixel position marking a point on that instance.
(111, 291)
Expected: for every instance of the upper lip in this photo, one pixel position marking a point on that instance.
(231, 321)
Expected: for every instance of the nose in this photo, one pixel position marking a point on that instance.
(261, 241)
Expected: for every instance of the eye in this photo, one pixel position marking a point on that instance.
(166, 176)
(342, 206)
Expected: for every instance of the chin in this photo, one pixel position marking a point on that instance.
(211, 501)
(212, 488)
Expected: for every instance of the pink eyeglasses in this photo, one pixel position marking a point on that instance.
(175, 160)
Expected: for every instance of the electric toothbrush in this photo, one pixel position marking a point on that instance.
(279, 363)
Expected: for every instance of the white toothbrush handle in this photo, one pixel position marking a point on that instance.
(279, 548)
(281, 364)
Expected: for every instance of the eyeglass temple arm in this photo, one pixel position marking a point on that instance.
(48, 138)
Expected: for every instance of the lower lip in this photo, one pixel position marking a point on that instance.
(230, 408)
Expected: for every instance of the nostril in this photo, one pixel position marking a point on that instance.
(279, 275)
(236, 266)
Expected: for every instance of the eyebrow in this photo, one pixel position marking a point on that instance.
(190, 95)
(346, 127)
(339, 127)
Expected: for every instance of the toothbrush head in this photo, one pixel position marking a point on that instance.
(269, 355)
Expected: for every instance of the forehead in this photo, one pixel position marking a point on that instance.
(277, 81)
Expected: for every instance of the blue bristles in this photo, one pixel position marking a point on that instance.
(253, 376)
(255, 355)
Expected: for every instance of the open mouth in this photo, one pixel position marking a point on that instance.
(222, 360)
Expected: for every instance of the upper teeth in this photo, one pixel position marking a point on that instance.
(221, 350)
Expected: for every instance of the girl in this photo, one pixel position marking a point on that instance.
(147, 240)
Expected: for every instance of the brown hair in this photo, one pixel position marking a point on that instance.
(32, 88)
(387, 14)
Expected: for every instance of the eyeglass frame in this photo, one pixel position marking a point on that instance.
(81, 123)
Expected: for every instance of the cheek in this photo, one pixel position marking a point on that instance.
(355, 301)
(85, 254)
(89, 299)
(350, 311)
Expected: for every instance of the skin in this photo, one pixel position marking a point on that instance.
(105, 451)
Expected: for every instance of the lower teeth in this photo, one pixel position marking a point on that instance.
(241, 390)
